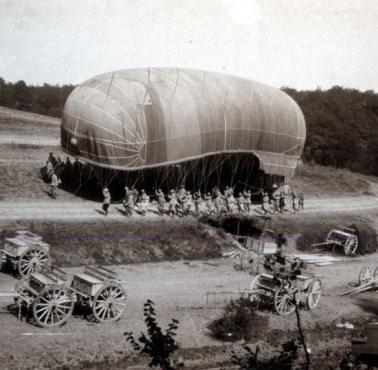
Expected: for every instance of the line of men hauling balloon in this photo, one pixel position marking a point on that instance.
(183, 202)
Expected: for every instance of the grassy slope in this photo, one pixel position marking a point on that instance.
(110, 242)
(319, 181)
(314, 229)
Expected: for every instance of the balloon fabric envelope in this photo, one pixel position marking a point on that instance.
(166, 121)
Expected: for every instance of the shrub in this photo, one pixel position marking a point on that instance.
(239, 321)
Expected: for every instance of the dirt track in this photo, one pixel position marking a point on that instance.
(81, 209)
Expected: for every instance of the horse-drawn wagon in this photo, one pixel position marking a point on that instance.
(24, 253)
(50, 295)
(286, 293)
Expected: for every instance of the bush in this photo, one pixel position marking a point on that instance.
(239, 321)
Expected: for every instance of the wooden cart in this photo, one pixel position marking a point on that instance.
(345, 238)
(367, 281)
(286, 294)
(50, 295)
(25, 253)
(100, 289)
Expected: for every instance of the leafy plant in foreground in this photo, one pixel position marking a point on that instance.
(157, 345)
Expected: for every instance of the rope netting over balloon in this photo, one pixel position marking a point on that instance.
(162, 127)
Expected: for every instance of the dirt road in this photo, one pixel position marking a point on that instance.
(82, 209)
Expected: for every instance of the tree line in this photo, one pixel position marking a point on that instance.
(342, 124)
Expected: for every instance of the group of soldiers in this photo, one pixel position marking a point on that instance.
(183, 203)
(53, 171)
(281, 200)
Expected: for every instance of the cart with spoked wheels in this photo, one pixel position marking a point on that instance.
(24, 253)
(286, 294)
(50, 295)
(99, 289)
(46, 296)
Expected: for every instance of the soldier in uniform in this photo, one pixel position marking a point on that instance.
(49, 169)
(230, 201)
(241, 203)
(209, 204)
(172, 203)
(197, 202)
(301, 202)
(161, 202)
(248, 201)
(54, 185)
(106, 201)
(295, 201)
(189, 203)
(128, 202)
(265, 202)
(144, 202)
(219, 204)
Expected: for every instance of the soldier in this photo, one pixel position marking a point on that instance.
(54, 185)
(172, 203)
(241, 203)
(197, 202)
(128, 202)
(52, 159)
(189, 203)
(106, 201)
(230, 201)
(265, 202)
(219, 204)
(161, 202)
(144, 202)
(301, 202)
(49, 169)
(209, 204)
(180, 200)
(248, 201)
(295, 201)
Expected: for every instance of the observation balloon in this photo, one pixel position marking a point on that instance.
(138, 119)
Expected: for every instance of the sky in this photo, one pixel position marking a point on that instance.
(304, 44)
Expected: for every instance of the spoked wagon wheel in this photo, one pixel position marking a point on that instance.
(33, 259)
(351, 245)
(53, 306)
(254, 289)
(284, 300)
(314, 291)
(109, 303)
(365, 276)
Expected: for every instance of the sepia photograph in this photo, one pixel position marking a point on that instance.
(189, 184)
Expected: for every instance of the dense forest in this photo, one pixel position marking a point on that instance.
(342, 124)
